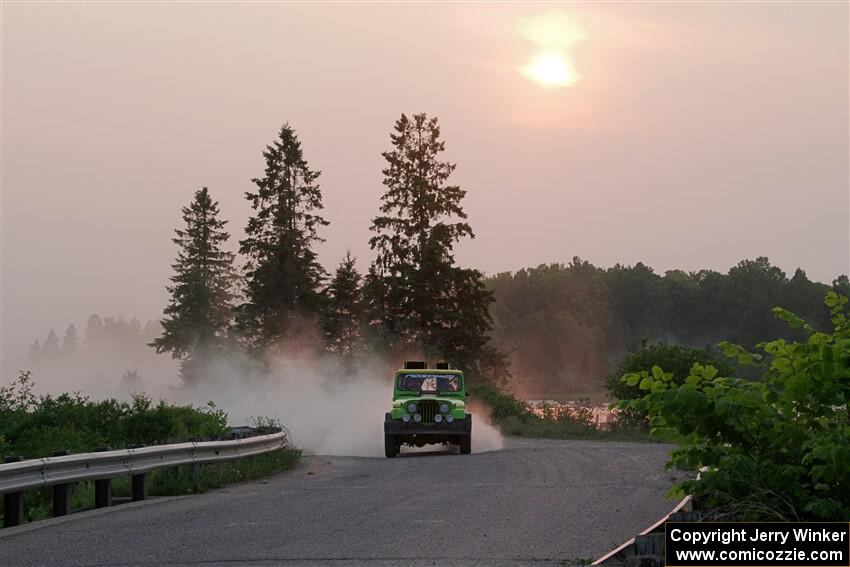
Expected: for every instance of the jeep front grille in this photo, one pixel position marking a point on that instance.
(428, 409)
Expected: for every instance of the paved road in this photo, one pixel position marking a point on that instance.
(535, 502)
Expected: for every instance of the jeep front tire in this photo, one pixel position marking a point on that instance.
(465, 444)
(390, 446)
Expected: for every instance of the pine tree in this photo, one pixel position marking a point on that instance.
(415, 292)
(71, 341)
(342, 317)
(93, 331)
(200, 310)
(34, 351)
(283, 274)
(50, 350)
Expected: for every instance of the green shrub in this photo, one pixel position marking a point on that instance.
(36, 426)
(501, 405)
(675, 359)
(777, 448)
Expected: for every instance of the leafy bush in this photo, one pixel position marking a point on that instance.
(501, 405)
(777, 448)
(35, 426)
(675, 359)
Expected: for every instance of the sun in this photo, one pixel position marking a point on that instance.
(550, 69)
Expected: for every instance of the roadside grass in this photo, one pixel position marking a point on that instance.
(551, 428)
(576, 562)
(515, 417)
(185, 480)
(175, 481)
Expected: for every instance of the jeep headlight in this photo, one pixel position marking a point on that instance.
(411, 408)
(444, 408)
(417, 418)
(450, 418)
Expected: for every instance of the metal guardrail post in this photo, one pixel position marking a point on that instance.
(102, 487)
(13, 509)
(61, 494)
(61, 500)
(102, 492)
(194, 468)
(138, 481)
(13, 503)
(140, 486)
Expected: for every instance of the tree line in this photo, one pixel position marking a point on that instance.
(100, 334)
(557, 329)
(414, 299)
(565, 327)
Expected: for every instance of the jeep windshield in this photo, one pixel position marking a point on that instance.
(429, 383)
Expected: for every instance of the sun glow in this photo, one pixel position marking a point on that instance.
(551, 30)
(550, 69)
(554, 34)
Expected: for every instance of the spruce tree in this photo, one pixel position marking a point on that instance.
(416, 294)
(342, 317)
(283, 274)
(50, 349)
(93, 330)
(71, 340)
(34, 351)
(200, 310)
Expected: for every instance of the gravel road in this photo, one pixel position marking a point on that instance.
(536, 502)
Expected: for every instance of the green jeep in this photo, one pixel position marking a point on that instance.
(429, 406)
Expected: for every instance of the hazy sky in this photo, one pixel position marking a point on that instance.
(681, 135)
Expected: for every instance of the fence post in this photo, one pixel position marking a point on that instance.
(138, 482)
(102, 488)
(61, 500)
(13, 503)
(102, 492)
(13, 509)
(61, 493)
(140, 488)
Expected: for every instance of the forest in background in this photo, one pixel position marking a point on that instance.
(554, 331)
(564, 327)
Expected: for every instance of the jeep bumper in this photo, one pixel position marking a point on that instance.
(399, 427)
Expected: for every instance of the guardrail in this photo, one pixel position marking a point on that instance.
(647, 548)
(619, 555)
(61, 472)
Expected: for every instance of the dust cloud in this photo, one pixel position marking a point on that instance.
(327, 410)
